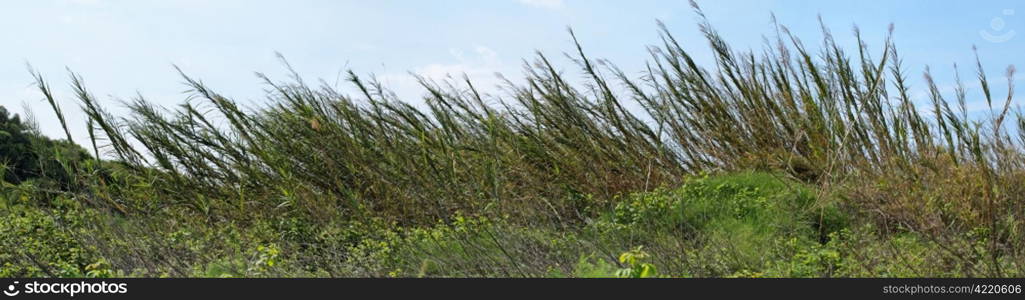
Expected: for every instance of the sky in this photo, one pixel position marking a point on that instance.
(124, 48)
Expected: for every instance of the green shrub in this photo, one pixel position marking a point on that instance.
(43, 243)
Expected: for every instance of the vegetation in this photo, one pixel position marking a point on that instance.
(780, 163)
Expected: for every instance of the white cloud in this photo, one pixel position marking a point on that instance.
(479, 64)
(549, 4)
(86, 2)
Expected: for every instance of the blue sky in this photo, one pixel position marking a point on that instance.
(124, 47)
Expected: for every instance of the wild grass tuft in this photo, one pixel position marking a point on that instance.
(838, 129)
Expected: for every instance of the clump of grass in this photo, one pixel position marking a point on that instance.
(548, 151)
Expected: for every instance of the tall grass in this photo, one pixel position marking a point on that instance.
(548, 149)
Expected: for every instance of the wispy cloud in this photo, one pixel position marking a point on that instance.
(86, 2)
(480, 63)
(548, 4)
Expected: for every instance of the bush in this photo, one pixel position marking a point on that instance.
(43, 243)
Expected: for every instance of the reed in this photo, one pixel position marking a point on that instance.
(553, 150)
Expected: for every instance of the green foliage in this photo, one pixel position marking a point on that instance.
(41, 243)
(758, 242)
(636, 265)
(590, 267)
(786, 163)
(17, 160)
(25, 154)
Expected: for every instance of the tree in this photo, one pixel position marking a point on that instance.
(17, 158)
